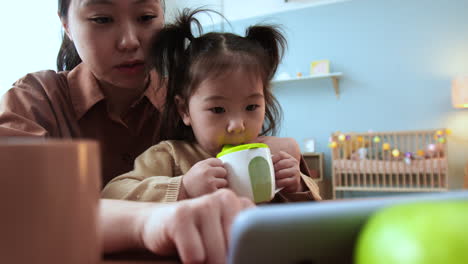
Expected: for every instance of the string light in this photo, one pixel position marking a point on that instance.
(420, 153)
(341, 137)
(386, 146)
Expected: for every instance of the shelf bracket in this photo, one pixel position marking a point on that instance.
(336, 86)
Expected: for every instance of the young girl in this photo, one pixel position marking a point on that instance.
(218, 93)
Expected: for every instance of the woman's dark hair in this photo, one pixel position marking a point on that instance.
(68, 57)
(187, 60)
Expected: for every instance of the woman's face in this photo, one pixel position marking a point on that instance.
(112, 37)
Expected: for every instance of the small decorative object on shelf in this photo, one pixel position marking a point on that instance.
(320, 67)
(309, 144)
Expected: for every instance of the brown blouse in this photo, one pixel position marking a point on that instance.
(72, 105)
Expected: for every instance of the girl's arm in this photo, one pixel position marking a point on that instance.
(152, 179)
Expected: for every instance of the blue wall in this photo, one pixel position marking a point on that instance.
(398, 58)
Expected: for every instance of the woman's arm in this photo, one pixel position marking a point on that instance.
(197, 229)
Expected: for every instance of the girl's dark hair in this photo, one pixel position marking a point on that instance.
(187, 60)
(68, 57)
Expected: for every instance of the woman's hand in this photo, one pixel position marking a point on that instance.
(287, 172)
(204, 177)
(197, 229)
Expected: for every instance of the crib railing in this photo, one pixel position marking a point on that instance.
(405, 161)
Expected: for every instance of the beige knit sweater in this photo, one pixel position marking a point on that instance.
(158, 172)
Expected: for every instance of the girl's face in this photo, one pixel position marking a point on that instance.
(229, 109)
(112, 37)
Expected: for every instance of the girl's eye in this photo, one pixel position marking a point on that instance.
(146, 18)
(252, 107)
(101, 20)
(217, 110)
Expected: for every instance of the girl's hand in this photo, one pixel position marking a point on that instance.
(204, 177)
(287, 172)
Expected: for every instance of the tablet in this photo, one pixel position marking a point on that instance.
(311, 232)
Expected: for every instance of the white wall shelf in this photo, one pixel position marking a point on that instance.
(334, 76)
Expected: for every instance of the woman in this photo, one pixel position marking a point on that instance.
(105, 91)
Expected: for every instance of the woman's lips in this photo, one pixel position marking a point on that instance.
(131, 68)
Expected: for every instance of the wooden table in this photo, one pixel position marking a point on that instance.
(138, 258)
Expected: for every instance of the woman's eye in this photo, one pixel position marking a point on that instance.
(252, 107)
(101, 20)
(146, 18)
(217, 110)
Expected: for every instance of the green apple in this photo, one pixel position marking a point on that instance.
(416, 233)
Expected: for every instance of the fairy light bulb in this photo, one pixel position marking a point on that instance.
(341, 137)
(386, 146)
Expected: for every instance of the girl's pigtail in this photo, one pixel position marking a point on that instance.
(170, 57)
(272, 41)
(168, 51)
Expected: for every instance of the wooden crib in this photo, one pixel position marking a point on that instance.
(405, 161)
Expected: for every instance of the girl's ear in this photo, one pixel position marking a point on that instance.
(182, 108)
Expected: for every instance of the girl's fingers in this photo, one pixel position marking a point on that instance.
(285, 182)
(275, 158)
(290, 185)
(284, 164)
(214, 162)
(218, 172)
(220, 183)
(286, 173)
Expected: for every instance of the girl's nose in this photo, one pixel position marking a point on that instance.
(236, 126)
(129, 40)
